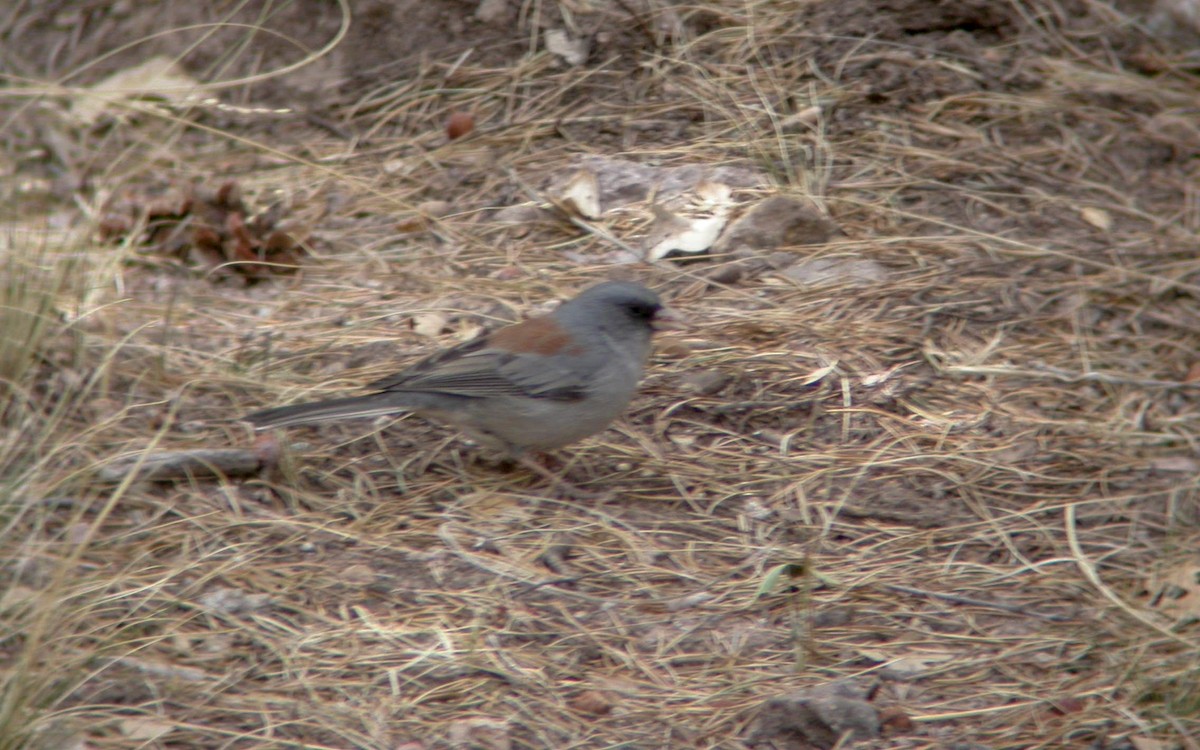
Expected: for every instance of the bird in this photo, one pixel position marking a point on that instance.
(537, 385)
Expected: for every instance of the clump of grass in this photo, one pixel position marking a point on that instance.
(32, 280)
(47, 640)
(30, 284)
(978, 461)
(44, 279)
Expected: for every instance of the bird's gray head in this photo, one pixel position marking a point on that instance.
(618, 305)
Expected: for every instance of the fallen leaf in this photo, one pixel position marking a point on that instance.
(716, 195)
(581, 196)
(1069, 705)
(675, 234)
(573, 51)
(806, 116)
(211, 226)
(145, 729)
(1097, 217)
(1175, 463)
(879, 378)
(913, 666)
(1176, 590)
(775, 575)
(816, 376)
(429, 324)
(435, 208)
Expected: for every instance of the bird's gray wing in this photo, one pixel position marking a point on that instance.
(473, 370)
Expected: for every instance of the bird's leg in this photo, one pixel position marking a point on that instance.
(560, 482)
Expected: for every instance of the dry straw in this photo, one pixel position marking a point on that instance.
(962, 488)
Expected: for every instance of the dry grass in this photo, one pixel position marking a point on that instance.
(984, 465)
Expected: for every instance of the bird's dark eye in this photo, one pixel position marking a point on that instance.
(642, 310)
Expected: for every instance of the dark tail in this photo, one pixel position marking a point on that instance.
(375, 405)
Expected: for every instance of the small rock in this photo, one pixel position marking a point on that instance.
(781, 260)
(480, 733)
(573, 51)
(591, 702)
(895, 721)
(730, 273)
(779, 221)
(436, 209)
(816, 717)
(233, 601)
(705, 382)
(834, 617)
(492, 11)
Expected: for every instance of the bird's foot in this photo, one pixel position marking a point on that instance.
(561, 484)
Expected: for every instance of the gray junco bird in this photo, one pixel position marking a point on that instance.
(539, 384)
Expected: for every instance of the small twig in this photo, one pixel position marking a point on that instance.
(957, 599)
(1088, 568)
(1184, 735)
(168, 466)
(1046, 372)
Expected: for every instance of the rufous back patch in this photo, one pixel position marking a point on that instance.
(535, 336)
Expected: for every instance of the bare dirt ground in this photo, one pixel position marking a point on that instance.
(936, 491)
